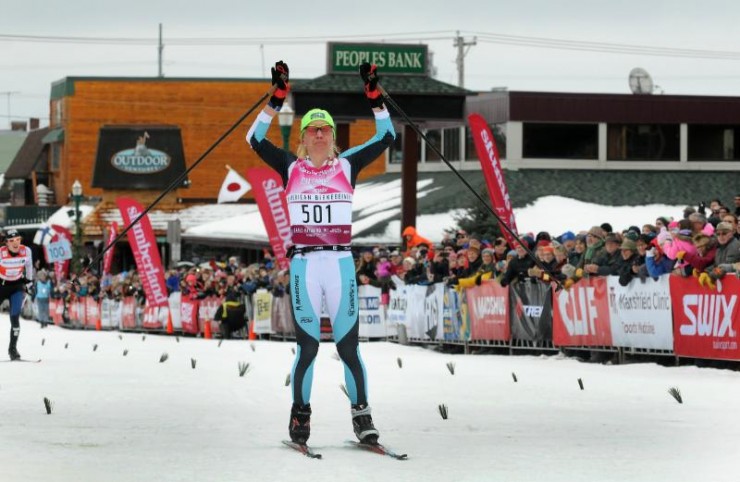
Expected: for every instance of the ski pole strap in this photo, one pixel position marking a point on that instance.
(293, 250)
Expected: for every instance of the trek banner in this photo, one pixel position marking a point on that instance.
(270, 196)
(490, 161)
(146, 254)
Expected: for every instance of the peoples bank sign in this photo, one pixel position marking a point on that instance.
(390, 58)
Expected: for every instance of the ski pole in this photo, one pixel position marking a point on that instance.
(182, 176)
(501, 222)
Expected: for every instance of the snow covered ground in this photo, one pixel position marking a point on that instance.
(131, 418)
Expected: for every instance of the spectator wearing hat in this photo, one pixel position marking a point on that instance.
(699, 224)
(703, 256)
(568, 239)
(461, 239)
(546, 255)
(518, 267)
(609, 261)
(688, 211)
(726, 257)
(412, 239)
(594, 248)
(579, 249)
(607, 228)
(484, 272)
(629, 267)
(677, 244)
(732, 219)
(500, 247)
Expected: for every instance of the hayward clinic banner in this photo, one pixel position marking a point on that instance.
(144, 246)
(490, 162)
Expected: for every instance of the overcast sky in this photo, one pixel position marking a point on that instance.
(27, 68)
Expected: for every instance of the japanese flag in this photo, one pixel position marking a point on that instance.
(233, 188)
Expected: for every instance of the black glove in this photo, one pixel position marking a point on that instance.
(369, 74)
(478, 280)
(702, 208)
(280, 79)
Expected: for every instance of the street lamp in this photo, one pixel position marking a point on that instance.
(285, 119)
(77, 196)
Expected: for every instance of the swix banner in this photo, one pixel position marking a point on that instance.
(270, 197)
(108, 258)
(144, 246)
(491, 164)
(61, 233)
(581, 315)
(705, 321)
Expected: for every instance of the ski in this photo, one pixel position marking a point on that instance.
(302, 448)
(22, 360)
(378, 449)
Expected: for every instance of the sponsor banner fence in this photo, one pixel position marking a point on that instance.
(581, 315)
(530, 311)
(282, 316)
(372, 316)
(488, 306)
(262, 311)
(706, 321)
(189, 316)
(397, 303)
(454, 319)
(424, 311)
(640, 313)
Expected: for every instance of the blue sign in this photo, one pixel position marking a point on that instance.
(58, 251)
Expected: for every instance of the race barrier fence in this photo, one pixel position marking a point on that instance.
(669, 315)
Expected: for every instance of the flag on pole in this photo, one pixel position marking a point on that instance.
(233, 188)
(43, 235)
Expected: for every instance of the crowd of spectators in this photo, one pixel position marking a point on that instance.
(704, 243)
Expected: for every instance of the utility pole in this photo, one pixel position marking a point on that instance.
(461, 43)
(160, 48)
(8, 94)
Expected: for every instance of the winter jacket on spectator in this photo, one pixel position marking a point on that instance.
(657, 263)
(593, 252)
(517, 269)
(726, 256)
(624, 268)
(412, 240)
(608, 263)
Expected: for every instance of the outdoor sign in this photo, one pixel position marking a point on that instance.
(58, 251)
(390, 58)
(138, 157)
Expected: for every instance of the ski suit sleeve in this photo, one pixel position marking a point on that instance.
(360, 156)
(276, 158)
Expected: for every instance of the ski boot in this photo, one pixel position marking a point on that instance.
(362, 422)
(299, 427)
(13, 353)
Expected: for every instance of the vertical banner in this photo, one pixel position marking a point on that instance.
(372, 318)
(262, 311)
(92, 312)
(641, 315)
(108, 257)
(397, 304)
(485, 145)
(454, 323)
(282, 315)
(581, 315)
(61, 268)
(531, 311)
(270, 196)
(706, 322)
(488, 305)
(151, 317)
(189, 316)
(144, 246)
(128, 313)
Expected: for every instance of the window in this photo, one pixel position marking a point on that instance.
(560, 141)
(643, 142)
(56, 155)
(713, 143)
(451, 143)
(396, 150)
(434, 136)
(499, 136)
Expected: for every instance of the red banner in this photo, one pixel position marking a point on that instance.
(491, 164)
(705, 321)
(128, 312)
(151, 317)
(61, 268)
(144, 246)
(189, 316)
(108, 257)
(270, 196)
(581, 315)
(488, 306)
(92, 312)
(56, 310)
